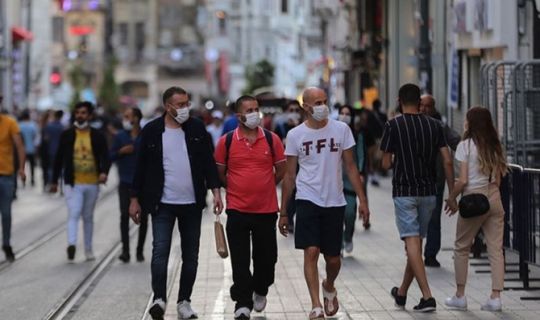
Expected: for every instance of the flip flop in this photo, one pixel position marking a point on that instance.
(331, 303)
(316, 314)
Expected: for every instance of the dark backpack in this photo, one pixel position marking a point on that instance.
(228, 141)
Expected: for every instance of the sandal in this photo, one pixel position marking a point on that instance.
(316, 314)
(331, 303)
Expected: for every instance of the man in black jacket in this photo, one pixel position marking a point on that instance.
(173, 171)
(83, 158)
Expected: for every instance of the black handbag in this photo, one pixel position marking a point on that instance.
(473, 205)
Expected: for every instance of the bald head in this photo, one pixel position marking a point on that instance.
(312, 95)
(427, 105)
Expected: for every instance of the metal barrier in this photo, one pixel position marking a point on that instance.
(520, 194)
(511, 91)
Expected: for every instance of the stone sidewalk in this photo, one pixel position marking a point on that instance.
(367, 275)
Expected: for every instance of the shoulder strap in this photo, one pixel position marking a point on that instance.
(228, 141)
(268, 136)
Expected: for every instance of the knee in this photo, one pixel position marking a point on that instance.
(312, 253)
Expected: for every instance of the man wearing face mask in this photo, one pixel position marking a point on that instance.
(250, 163)
(123, 152)
(321, 146)
(83, 159)
(173, 171)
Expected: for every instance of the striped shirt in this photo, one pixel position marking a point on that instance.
(415, 140)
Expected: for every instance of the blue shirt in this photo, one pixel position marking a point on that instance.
(125, 162)
(51, 134)
(29, 133)
(230, 124)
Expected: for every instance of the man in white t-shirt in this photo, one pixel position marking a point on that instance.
(319, 146)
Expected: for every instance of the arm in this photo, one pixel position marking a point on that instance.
(138, 181)
(354, 178)
(448, 168)
(459, 186)
(386, 162)
(280, 168)
(19, 146)
(452, 137)
(114, 153)
(222, 172)
(286, 192)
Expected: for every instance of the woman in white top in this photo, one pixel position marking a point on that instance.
(482, 164)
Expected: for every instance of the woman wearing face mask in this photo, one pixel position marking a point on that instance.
(348, 116)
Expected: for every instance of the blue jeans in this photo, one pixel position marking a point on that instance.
(350, 217)
(433, 239)
(413, 215)
(189, 224)
(7, 186)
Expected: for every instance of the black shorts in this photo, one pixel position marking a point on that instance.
(320, 227)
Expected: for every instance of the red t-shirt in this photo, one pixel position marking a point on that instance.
(251, 184)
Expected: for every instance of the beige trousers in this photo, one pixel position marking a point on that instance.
(492, 223)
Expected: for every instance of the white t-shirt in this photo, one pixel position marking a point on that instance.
(319, 157)
(178, 188)
(466, 152)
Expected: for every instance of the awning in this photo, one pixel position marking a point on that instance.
(21, 34)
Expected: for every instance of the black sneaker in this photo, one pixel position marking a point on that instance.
(71, 252)
(432, 262)
(157, 310)
(399, 301)
(10, 256)
(428, 305)
(124, 257)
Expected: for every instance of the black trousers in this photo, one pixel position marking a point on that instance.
(123, 193)
(31, 159)
(243, 230)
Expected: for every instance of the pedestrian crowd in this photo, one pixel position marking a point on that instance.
(323, 165)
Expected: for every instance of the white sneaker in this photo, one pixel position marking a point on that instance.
(348, 246)
(185, 311)
(90, 256)
(456, 302)
(492, 305)
(242, 314)
(157, 309)
(259, 302)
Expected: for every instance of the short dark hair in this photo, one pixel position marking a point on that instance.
(409, 94)
(85, 104)
(288, 103)
(241, 100)
(137, 112)
(25, 115)
(58, 114)
(171, 92)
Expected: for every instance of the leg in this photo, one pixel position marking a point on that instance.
(311, 273)
(90, 198)
(189, 225)
(433, 239)
(466, 230)
(333, 265)
(6, 197)
(416, 264)
(162, 227)
(264, 252)
(350, 217)
(74, 200)
(32, 160)
(408, 277)
(123, 192)
(238, 235)
(143, 227)
(493, 229)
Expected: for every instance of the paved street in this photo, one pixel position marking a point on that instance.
(39, 281)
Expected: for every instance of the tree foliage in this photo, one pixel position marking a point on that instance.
(259, 75)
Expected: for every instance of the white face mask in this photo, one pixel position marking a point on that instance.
(294, 116)
(252, 120)
(320, 113)
(182, 115)
(345, 118)
(127, 125)
(81, 125)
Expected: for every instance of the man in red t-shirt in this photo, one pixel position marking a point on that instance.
(250, 168)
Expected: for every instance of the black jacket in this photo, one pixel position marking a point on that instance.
(64, 155)
(149, 178)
